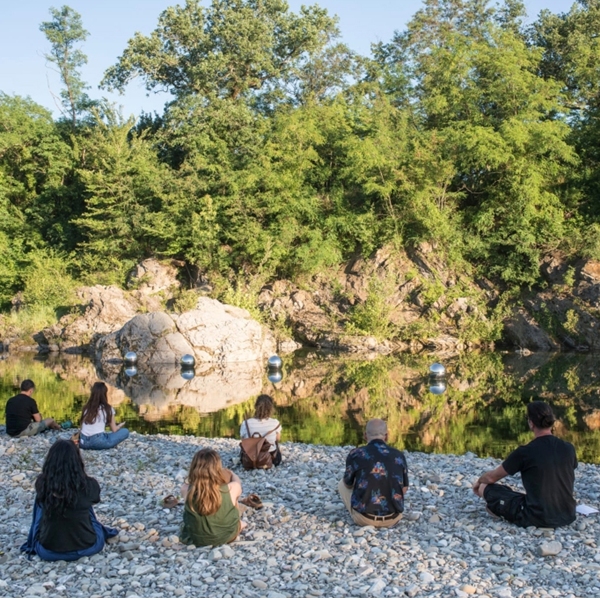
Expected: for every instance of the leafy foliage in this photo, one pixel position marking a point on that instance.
(283, 153)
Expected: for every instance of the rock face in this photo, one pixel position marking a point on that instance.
(104, 309)
(212, 333)
(523, 332)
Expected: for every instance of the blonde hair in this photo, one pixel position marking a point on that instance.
(206, 478)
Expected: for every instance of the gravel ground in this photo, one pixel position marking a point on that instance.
(302, 543)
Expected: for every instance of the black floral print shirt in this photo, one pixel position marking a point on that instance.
(377, 473)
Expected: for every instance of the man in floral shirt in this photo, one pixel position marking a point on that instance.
(375, 480)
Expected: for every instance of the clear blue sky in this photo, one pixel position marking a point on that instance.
(23, 69)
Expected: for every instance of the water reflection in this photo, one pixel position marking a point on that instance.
(327, 399)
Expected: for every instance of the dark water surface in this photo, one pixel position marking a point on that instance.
(327, 399)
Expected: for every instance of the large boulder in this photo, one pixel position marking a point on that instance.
(213, 333)
(521, 330)
(103, 309)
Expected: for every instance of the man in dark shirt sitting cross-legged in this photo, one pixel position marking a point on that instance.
(23, 418)
(547, 466)
(375, 480)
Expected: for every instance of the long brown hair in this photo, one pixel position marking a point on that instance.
(206, 478)
(264, 407)
(98, 400)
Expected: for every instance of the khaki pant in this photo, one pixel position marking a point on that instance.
(358, 518)
(33, 429)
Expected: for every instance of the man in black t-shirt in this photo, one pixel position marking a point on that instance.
(22, 415)
(547, 466)
(375, 480)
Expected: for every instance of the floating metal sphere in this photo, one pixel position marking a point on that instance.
(188, 373)
(437, 388)
(275, 376)
(437, 370)
(187, 360)
(131, 371)
(131, 358)
(274, 362)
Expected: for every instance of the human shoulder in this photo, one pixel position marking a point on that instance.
(92, 490)
(359, 452)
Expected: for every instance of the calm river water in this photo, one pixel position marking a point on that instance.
(327, 399)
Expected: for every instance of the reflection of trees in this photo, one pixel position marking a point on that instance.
(58, 392)
(326, 399)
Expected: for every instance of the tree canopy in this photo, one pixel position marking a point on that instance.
(283, 152)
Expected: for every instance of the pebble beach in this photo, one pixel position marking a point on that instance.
(302, 543)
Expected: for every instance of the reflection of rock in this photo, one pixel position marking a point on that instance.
(160, 388)
(212, 333)
(68, 367)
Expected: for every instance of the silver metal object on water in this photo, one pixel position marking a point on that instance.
(275, 376)
(437, 387)
(187, 360)
(274, 362)
(188, 373)
(130, 357)
(131, 371)
(437, 370)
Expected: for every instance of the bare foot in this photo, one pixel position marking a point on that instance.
(243, 525)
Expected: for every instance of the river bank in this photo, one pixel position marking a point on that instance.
(302, 543)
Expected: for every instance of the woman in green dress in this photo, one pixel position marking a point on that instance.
(211, 516)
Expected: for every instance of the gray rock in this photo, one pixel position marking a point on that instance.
(549, 548)
(259, 584)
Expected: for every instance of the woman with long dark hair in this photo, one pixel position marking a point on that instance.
(211, 516)
(95, 416)
(64, 525)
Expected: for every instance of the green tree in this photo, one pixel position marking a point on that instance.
(488, 118)
(64, 32)
(571, 55)
(34, 161)
(123, 186)
(233, 49)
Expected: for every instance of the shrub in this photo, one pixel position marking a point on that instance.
(47, 281)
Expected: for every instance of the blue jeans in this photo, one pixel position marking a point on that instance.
(103, 441)
(33, 546)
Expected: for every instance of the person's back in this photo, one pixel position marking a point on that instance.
(211, 530)
(19, 413)
(547, 465)
(70, 528)
(375, 480)
(211, 516)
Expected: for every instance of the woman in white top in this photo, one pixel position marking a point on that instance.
(264, 424)
(95, 416)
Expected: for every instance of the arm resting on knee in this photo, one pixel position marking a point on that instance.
(490, 477)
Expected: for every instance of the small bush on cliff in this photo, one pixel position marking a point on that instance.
(372, 317)
(47, 281)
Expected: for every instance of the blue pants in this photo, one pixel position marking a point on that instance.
(33, 546)
(103, 441)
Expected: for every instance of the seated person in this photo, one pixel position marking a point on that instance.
(95, 416)
(547, 466)
(375, 480)
(211, 516)
(64, 525)
(263, 423)
(23, 418)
